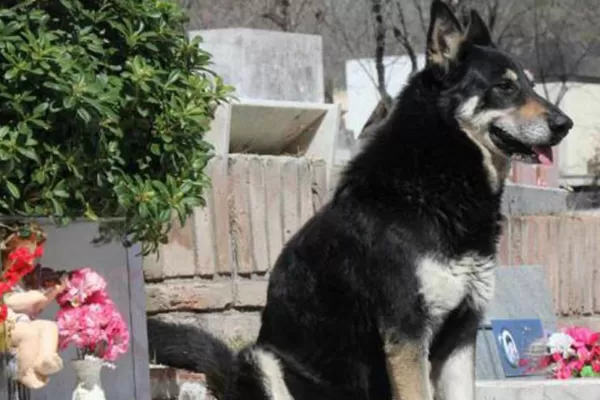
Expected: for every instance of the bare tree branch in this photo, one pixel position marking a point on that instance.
(421, 15)
(380, 33)
(280, 15)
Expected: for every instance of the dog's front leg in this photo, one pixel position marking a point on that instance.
(452, 357)
(455, 378)
(408, 369)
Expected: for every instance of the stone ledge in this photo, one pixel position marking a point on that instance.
(539, 389)
(170, 383)
(188, 295)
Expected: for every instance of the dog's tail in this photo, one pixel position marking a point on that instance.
(193, 349)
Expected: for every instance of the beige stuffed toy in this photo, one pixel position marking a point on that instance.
(33, 344)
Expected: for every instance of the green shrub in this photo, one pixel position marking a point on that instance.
(103, 108)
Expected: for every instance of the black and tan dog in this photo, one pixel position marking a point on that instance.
(379, 295)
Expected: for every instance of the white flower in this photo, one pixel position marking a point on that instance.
(560, 343)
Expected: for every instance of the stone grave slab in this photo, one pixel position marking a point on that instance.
(521, 293)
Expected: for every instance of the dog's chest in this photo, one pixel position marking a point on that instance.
(444, 285)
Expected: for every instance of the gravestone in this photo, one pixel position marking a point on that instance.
(267, 65)
(521, 293)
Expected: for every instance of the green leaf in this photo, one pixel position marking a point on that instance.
(61, 193)
(29, 153)
(58, 208)
(587, 371)
(13, 189)
(41, 108)
(84, 115)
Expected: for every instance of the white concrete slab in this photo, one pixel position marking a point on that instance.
(549, 389)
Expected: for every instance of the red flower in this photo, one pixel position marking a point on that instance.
(3, 313)
(5, 287)
(21, 253)
(39, 251)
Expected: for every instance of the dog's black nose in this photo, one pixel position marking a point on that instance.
(560, 123)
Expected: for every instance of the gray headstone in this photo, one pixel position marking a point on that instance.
(521, 293)
(267, 65)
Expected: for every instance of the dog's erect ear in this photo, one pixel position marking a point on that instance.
(445, 36)
(478, 32)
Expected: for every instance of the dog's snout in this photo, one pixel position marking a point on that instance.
(559, 123)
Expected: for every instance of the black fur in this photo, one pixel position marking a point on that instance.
(419, 187)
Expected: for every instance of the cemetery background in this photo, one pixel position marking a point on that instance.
(214, 271)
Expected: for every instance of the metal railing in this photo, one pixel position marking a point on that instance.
(9, 388)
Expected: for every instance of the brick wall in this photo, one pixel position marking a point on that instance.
(214, 271)
(567, 245)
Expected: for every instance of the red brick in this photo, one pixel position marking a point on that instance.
(220, 191)
(258, 215)
(503, 244)
(239, 214)
(516, 241)
(291, 217)
(565, 264)
(274, 204)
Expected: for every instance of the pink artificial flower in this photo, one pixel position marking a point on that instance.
(582, 336)
(82, 284)
(94, 328)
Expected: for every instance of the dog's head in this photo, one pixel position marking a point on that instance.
(488, 92)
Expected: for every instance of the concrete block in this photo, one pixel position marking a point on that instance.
(153, 267)
(188, 295)
(267, 65)
(531, 200)
(178, 255)
(251, 293)
(237, 328)
(176, 258)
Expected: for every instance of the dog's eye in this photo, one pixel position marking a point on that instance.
(507, 85)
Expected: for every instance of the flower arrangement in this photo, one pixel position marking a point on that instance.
(89, 319)
(572, 353)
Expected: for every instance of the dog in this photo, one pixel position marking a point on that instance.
(380, 294)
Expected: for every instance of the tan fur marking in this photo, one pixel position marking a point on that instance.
(408, 371)
(512, 75)
(532, 109)
(446, 39)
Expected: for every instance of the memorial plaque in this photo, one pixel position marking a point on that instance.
(513, 339)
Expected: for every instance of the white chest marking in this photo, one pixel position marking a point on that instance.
(273, 381)
(445, 284)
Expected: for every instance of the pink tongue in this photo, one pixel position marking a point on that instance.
(544, 154)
